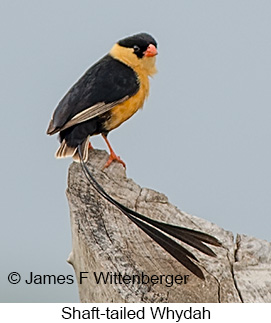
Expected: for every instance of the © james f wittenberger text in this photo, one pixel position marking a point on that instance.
(109, 278)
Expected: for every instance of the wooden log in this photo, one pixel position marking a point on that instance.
(106, 243)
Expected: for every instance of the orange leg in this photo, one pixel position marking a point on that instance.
(90, 147)
(112, 155)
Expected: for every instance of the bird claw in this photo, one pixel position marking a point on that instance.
(113, 157)
(90, 147)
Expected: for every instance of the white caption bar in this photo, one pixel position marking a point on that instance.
(172, 312)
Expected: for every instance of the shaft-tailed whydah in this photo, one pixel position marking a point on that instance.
(108, 94)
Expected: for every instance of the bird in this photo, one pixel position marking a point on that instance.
(108, 94)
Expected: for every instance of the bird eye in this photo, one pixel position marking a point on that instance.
(136, 48)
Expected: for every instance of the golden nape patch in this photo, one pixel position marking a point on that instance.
(145, 65)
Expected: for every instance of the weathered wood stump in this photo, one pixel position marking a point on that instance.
(106, 242)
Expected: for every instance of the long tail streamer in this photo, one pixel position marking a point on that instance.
(191, 237)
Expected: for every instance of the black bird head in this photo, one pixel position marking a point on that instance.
(143, 45)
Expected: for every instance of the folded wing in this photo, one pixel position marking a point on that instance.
(106, 84)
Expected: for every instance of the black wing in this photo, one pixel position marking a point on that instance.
(105, 84)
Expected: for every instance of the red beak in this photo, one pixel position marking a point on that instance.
(151, 51)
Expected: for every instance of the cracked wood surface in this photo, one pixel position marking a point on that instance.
(104, 240)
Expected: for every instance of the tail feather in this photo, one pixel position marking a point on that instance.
(193, 238)
(172, 247)
(84, 148)
(66, 151)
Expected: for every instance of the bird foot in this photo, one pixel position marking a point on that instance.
(90, 147)
(113, 157)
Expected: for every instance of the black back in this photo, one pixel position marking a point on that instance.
(106, 81)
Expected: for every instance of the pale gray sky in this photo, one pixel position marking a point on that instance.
(203, 137)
